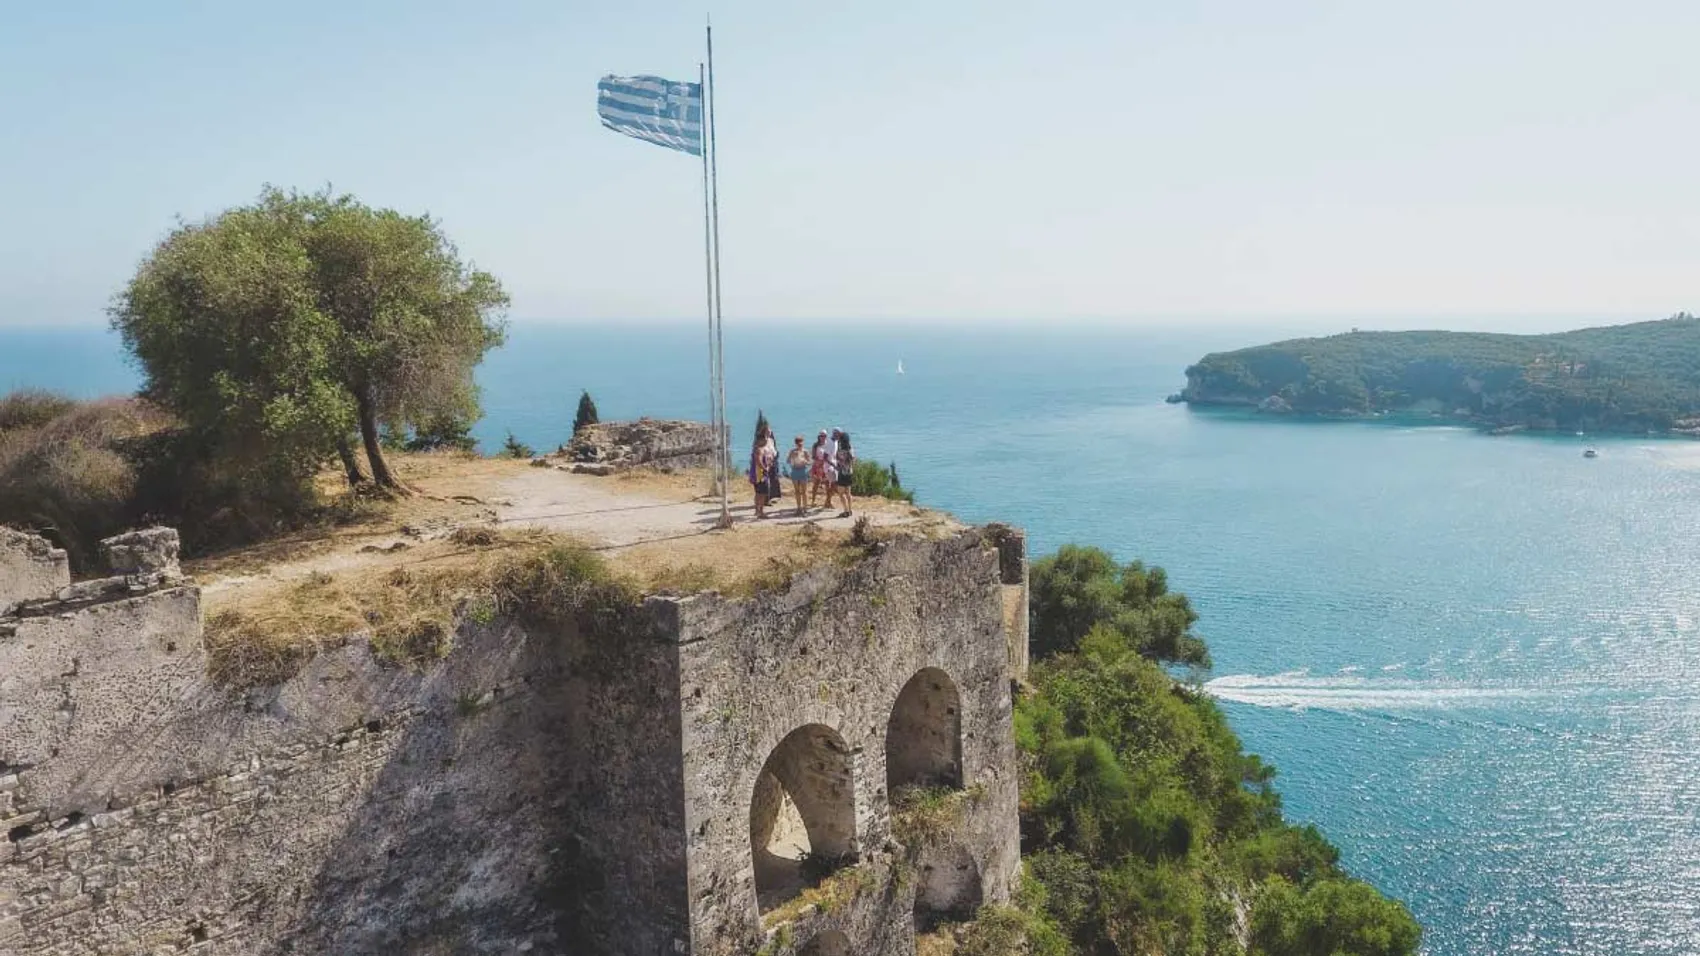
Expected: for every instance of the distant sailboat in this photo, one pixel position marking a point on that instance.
(900, 366)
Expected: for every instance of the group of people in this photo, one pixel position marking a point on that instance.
(827, 469)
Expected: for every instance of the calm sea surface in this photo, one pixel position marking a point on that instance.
(1476, 661)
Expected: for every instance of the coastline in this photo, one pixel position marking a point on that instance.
(1407, 418)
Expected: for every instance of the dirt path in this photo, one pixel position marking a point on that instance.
(617, 512)
(643, 520)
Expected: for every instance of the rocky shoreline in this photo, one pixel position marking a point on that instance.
(1275, 405)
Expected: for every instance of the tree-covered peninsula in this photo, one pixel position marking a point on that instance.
(1639, 377)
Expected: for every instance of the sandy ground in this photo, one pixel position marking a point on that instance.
(650, 524)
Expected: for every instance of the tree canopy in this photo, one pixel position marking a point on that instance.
(282, 327)
(1146, 828)
(1081, 589)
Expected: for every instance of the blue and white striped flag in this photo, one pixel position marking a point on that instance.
(653, 109)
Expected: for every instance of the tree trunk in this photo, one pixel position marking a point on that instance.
(381, 473)
(350, 464)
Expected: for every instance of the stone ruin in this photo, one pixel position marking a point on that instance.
(30, 567)
(668, 779)
(609, 447)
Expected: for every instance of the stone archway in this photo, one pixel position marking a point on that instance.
(802, 813)
(923, 740)
(830, 943)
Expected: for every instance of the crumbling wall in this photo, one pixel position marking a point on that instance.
(30, 568)
(608, 447)
(359, 807)
(587, 786)
(1011, 543)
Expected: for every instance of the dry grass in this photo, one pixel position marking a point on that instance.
(406, 572)
(940, 942)
(61, 470)
(32, 408)
(449, 489)
(739, 563)
(928, 816)
(832, 893)
(411, 604)
(409, 611)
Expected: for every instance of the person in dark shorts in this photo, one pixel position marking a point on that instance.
(846, 470)
(763, 461)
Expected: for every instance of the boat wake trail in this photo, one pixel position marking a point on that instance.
(1348, 692)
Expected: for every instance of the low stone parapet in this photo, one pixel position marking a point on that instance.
(140, 561)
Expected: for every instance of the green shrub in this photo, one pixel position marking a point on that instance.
(560, 584)
(215, 497)
(447, 433)
(1010, 931)
(874, 480)
(1336, 917)
(1081, 588)
(514, 448)
(1144, 822)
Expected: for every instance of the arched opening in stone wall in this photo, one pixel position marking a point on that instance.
(802, 814)
(829, 943)
(947, 886)
(923, 741)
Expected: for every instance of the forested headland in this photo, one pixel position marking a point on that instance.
(1640, 377)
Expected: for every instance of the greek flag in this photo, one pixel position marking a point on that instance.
(653, 109)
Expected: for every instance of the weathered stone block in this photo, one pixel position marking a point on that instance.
(148, 551)
(30, 568)
(647, 442)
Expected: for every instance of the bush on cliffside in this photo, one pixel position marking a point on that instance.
(874, 480)
(1145, 826)
(1082, 589)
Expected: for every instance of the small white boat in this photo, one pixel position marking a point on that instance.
(1590, 453)
(900, 366)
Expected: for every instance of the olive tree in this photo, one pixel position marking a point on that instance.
(288, 325)
(224, 320)
(415, 319)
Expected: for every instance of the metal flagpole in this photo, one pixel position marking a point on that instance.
(708, 281)
(719, 316)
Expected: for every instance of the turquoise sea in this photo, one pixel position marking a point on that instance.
(1476, 661)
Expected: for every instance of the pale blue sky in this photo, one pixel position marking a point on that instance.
(1124, 160)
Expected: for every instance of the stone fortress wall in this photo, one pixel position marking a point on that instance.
(655, 782)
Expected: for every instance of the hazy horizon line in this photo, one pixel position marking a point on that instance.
(1223, 320)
